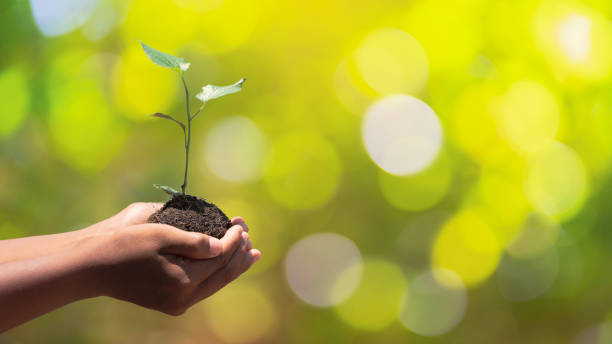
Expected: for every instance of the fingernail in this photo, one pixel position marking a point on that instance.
(245, 235)
(216, 246)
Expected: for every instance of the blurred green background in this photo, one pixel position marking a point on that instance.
(426, 171)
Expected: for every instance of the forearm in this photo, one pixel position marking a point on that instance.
(13, 250)
(35, 286)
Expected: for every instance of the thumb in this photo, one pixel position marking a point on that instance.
(190, 244)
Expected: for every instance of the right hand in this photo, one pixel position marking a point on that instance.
(168, 269)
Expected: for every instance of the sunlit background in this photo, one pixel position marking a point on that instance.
(425, 171)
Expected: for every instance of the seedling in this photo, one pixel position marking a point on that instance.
(189, 206)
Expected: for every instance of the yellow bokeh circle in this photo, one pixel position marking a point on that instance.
(419, 191)
(468, 246)
(15, 99)
(529, 115)
(303, 171)
(448, 31)
(83, 128)
(241, 313)
(140, 87)
(472, 124)
(501, 201)
(162, 24)
(229, 26)
(264, 232)
(391, 61)
(376, 302)
(556, 182)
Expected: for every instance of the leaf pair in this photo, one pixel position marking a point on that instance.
(208, 92)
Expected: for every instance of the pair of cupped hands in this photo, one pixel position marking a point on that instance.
(152, 265)
(165, 268)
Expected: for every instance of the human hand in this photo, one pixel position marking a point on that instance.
(153, 265)
(167, 269)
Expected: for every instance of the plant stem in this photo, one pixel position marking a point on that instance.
(188, 134)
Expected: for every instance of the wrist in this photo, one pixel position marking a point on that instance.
(84, 252)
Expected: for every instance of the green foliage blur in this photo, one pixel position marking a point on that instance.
(501, 235)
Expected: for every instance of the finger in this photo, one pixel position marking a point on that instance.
(139, 212)
(189, 244)
(199, 270)
(225, 275)
(250, 258)
(240, 221)
(256, 254)
(245, 237)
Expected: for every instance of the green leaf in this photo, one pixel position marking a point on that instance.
(170, 191)
(163, 115)
(212, 92)
(165, 60)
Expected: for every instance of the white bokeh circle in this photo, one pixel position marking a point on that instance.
(314, 265)
(58, 17)
(402, 134)
(431, 308)
(235, 149)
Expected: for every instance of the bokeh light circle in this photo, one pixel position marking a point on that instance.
(199, 6)
(472, 123)
(431, 308)
(468, 246)
(402, 134)
(266, 232)
(391, 61)
(350, 89)
(215, 29)
(55, 18)
(538, 234)
(315, 264)
(413, 244)
(418, 191)
(529, 115)
(250, 312)
(173, 26)
(84, 130)
(526, 278)
(15, 100)
(505, 214)
(375, 303)
(449, 31)
(556, 183)
(600, 333)
(140, 88)
(302, 171)
(575, 39)
(235, 149)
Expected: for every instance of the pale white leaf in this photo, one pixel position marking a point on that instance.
(212, 92)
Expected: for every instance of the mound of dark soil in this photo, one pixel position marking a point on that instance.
(193, 214)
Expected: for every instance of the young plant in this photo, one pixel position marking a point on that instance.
(208, 92)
